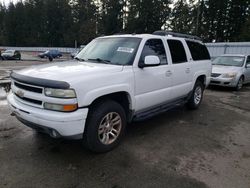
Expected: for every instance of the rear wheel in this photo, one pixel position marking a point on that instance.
(105, 127)
(239, 84)
(196, 96)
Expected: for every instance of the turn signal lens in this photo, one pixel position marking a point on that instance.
(61, 107)
(69, 108)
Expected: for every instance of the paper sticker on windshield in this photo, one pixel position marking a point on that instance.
(238, 60)
(125, 49)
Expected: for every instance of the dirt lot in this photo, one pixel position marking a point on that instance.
(204, 148)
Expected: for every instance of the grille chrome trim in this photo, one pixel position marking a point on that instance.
(28, 88)
(33, 101)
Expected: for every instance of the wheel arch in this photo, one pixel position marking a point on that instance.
(243, 77)
(202, 78)
(121, 97)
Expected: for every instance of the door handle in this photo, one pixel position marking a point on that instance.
(187, 70)
(169, 73)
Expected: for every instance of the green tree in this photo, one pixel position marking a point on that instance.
(111, 16)
(2, 17)
(58, 21)
(223, 20)
(245, 34)
(237, 18)
(147, 15)
(10, 22)
(84, 20)
(182, 17)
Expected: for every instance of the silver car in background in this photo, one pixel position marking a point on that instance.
(231, 70)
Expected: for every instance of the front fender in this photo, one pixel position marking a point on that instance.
(92, 95)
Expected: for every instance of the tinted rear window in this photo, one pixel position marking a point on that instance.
(198, 51)
(177, 51)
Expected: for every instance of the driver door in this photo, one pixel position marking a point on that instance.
(152, 84)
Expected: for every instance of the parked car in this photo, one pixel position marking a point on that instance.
(74, 54)
(115, 80)
(11, 55)
(1, 58)
(50, 54)
(231, 70)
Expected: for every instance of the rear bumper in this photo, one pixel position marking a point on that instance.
(56, 124)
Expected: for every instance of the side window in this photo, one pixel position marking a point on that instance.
(177, 51)
(248, 60)
(154, 47)
(198, 51)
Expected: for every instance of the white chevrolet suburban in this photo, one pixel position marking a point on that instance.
(113, 80)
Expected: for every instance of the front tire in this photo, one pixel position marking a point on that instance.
(239, 84)
(105, 126)
(196, 97)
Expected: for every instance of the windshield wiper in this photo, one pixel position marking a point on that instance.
(100, 60)
(79, 59)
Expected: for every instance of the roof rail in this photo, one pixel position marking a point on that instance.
(174, 34)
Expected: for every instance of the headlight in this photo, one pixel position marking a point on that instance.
(61, 107)
(60, 93)
(230, 75)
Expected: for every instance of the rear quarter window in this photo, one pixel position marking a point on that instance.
(198, 51)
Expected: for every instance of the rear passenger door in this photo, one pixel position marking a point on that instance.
(181, 69)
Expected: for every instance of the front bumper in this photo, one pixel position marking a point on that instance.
(226, 82)
(8, 57)
(56, 124)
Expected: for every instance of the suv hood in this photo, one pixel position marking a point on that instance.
(225, 69)
(69, 71)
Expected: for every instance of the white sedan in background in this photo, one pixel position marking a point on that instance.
(231, 70)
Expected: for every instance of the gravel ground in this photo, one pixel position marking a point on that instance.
(178, 149)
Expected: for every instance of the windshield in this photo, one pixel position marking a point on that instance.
(118, 51)
(236, 61)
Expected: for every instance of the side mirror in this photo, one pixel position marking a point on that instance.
(248, 66)
(150, 61)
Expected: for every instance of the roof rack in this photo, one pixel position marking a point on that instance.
(174, 34)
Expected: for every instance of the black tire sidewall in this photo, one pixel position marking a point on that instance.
(96, 114)
(191, 103)
(237, 87)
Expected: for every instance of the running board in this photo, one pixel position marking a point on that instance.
(149, 113)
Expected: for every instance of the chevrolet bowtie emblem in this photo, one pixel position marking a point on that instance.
(20, 93)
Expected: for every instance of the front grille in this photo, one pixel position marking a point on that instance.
(215, 75)
(29, 100)
(28, 88)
